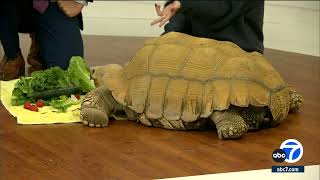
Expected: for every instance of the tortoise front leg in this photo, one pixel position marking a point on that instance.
(95, 108)
(229, 124)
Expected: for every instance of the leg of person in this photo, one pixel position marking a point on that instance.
(12, 65)
(59, 37)
(34, 59)
(27, 25)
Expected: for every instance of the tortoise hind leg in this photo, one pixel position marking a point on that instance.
(296, 100)
(95, 108)
(229, 124)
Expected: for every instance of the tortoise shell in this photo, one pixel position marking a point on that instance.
(177, 76)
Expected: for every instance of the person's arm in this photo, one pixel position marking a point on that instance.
(169, 2)
(83, 2)
(72, 8)
(254, 16)
(170, 9)
(216, 14)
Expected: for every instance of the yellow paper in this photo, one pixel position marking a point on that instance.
(45, 115)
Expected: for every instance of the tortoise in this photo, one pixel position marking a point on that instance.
(177, 81)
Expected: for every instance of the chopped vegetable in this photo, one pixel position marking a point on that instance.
(30, 107)
(52, 83)
(80, 74)
(34, 108)
(40, 103)
(77, 96)
(49, 94)
(64, 102)
(27, 105)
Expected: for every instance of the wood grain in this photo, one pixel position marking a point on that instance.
(128, 150)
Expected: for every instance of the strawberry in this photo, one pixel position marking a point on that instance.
(40, 103)
(77, 96)
(34, 108)
(31, 107)
(27, 105)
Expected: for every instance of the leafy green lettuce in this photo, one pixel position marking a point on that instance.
(80, 74)
(64, 102)
(77, 75)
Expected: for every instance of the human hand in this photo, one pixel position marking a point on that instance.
(165, 14)
(71, 8)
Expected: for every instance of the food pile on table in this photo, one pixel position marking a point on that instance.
(50, 96)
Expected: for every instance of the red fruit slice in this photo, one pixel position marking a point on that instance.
(27, 105)
(40, 103)
(34, 108)
(31, 107)
(77, 96)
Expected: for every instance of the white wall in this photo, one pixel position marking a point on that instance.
(289, 25)
(292, 26)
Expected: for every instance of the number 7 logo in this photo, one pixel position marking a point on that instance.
(293, 150)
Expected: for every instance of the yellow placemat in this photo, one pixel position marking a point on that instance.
(45, 115)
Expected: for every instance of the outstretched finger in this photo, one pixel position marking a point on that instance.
(164, 20)
(156, 21)
(158, 10)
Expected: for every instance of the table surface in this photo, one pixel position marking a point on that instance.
(128, 150)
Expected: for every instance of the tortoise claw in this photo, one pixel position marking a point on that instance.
(93, 117)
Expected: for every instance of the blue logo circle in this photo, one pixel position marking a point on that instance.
(293, 150)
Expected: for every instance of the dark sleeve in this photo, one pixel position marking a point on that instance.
(254, 16)
(178, 23)
(216, 14)
(168, 2)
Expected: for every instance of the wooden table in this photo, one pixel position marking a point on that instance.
(128, 150)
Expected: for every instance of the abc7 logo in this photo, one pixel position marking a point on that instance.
(290, 151)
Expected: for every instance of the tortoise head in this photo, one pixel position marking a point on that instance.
(99, 73)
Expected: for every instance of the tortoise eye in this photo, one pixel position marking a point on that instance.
(92, 73)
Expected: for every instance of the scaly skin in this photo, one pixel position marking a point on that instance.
(229, 124)
(296, 100)
(95, 108)
(255, 117)
(234, 122)
(99, 104)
